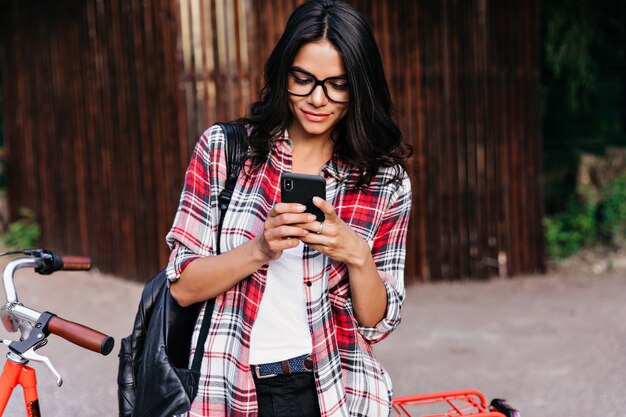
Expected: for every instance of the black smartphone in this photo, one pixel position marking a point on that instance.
(301, 188)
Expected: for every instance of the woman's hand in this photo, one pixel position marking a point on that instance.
(207, 277)
(282, 230)
(334, 238)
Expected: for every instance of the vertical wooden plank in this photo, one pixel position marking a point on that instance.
(38, 91)
(143, 210)
(79, 233)
(538, 240)
(439, 149)
(516, 152)
(214, 82)
(109, 209)
(79, 139)
(239, 79)
(217, 68)
(174, 56)
(135, 206)
(230, 48)
(455, 189)
(477, 145)
(428, 40)
(520, 131)
(194, 82)
(420, 208)
(491, 139)
(505, 153)
(89, 82)
(512, 139)
(127, 160)
(404, 103)
(162, 133)
(202, 80)
(252, 13)
(166, 172)
(481, 110)
(443, 121)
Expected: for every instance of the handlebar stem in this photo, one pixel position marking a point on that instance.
(24, 313)
(7, 278)
(18, 317)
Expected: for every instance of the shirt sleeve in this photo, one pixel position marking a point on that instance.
(194, 230)
(389, 253)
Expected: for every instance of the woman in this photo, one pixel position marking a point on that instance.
(299, 302)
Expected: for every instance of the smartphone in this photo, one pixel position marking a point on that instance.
(301, 188)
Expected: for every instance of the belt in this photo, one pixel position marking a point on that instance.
(303, 363)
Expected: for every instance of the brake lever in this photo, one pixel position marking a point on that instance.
(37, 338)
(31, 355)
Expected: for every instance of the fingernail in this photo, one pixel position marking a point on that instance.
(301, 207)
(317, 199)
(311, 217)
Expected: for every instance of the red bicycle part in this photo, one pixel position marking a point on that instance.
(466, 402)
(15, 374)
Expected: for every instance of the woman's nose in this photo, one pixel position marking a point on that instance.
(317, 97)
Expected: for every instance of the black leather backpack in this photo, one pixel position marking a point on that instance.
(154, 378)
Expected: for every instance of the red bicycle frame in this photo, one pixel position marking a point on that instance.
(15, 374)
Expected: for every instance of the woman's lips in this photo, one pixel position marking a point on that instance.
(315, 117)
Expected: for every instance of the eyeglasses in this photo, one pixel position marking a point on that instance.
(301, 83)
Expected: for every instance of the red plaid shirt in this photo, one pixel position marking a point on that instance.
(350, 381)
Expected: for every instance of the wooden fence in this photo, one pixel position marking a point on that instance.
(103, 102)
(92, 118)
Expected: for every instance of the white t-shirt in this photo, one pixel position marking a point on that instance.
(281, 330)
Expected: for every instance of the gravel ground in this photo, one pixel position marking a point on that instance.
(553, 345)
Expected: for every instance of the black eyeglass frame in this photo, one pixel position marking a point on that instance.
(318, 82)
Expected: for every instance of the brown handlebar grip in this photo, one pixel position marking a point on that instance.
(76, 263)
(81, 335)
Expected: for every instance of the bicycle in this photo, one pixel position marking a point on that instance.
(35, 327)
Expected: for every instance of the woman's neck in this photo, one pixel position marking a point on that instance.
(310, 154)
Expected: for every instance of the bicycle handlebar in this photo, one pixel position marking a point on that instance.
(16, 316)
(80, 335)
(76, 263)
(49, 262)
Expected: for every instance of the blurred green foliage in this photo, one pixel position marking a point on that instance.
(570, 34)
(569, 230)
(583, 88)
(612, 213)
(584, 223)
(23, 233)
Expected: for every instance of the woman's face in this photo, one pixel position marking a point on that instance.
(315, 114)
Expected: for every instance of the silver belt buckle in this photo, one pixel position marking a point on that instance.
(257, 372)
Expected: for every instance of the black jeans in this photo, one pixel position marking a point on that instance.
(287, 396)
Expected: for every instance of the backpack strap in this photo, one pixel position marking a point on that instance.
(235, 137)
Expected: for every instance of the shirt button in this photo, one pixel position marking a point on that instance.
(308, 283)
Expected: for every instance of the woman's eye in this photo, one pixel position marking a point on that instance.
(339, 85)
(300, 78)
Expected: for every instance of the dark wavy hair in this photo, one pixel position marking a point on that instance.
(367, 137)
